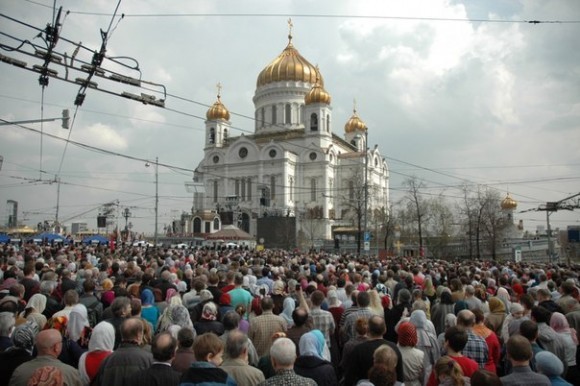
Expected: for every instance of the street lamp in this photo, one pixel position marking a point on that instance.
(156, 196)
(366, 188)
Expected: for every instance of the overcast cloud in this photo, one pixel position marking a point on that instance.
(489, 103)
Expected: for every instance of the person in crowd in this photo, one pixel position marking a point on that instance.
(519, 351)
(476, 347)
(264, 326)
(209, 350)
(516, 313)
(544, 298)
(121, 310)
(209, 321)
(149, 310)
(313, 361)
(497, 314)
(426, 340)
(548, 338)
(48, 346)
(265, 362)
(485, 378)
(363, 302)
(394, 315)
(440, 310)
(493, 345)
(449, 373)
(7, 323)
(359, 361)
(450, 321)
(160, 373)
(231, 323)
(236, 362)
(551, 366)
(184, 355)
(126, 360)
(300, 326)
(283, 356)
(412, 358)
(560, 324)
(34, 309)
(78, 328)
(321, 320)
(23, 340)
(101, 346)
(288, 308)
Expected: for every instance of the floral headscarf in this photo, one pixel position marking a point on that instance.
(209, 311)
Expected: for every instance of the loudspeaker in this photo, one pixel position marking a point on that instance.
(101, 221)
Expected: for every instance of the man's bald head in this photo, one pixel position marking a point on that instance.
(49, 342)
(465, 319)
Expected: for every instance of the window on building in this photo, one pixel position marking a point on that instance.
(313, 189)
(288, 114)
(313, 122)
(237, 187)
(249, 188)
(215, 191)
(274, 114)
(225, 135)
(207, 226)
(243, 189)
(273, 187)
(216, 224)
(351, 190)
(262, 117)
(197, 225)
(328, 123)
(212, 136)
(291, 189)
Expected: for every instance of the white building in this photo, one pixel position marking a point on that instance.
(298, 163)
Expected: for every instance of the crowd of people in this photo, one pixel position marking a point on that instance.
(87, 315)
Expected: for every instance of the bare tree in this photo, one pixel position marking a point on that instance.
(439, 225)
(417, 205)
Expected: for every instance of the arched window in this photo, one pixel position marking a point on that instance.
(216, 224)
(288, 115)
(262, 117)
(313, 189)
(273, 114)
(328, 123)
(313, 122)
(273, 187)
(225, 135)
(197, 225)
(215, 191)
(212, 136)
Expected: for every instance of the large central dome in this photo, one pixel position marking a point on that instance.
(289, 66)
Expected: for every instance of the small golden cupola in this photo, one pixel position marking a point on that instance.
(354, 123)
(509, 203)
(317, 93)
(218, 110)
(289, 66)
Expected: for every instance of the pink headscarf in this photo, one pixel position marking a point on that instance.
(171, 292)
(560, 324)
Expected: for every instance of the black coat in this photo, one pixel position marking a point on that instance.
(321, 371)
(156, 375)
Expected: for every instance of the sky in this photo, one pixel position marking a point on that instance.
(452, 92)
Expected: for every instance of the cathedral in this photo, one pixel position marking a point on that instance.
(298, 164)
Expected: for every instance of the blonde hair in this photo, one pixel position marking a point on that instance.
(447, 366)
(385, 355)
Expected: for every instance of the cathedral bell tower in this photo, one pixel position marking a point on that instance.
(217, 125)
(317, 110)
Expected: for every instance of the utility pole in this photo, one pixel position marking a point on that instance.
(366, 192)
(156, 197)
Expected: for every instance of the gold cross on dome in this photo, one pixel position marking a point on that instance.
(354, 105)
(290, 25)
(219, 89)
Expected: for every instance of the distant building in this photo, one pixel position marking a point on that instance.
(78, 227)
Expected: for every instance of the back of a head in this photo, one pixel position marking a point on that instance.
(386, 356)
(231, 320)
(185, 337)
(529, 329)
(381, 375)
(456, 338)
(267, 304)
(46, 339)
(71, 297)
(317, 298)
(485, 378)
(236, 343)
(207, 344)
(519, 348)
(299, 316)
(119, 305)
(361, 326)
(541, 314)
(363, 299)
(377, 326)
(465, 318)
(163, 347)
(283, 351)
(7, 322)
(131, 330)
(89, 285)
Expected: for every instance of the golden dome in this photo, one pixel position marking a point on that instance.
(509, 203)
(289, 65)
(218, 111)
(317, 94)
(354, 124)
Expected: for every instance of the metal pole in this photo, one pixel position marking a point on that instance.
(366, 183)
(549, 234)
(57, 201)
(156, 198)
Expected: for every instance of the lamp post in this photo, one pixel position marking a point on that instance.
(366, 192)
(156, 197)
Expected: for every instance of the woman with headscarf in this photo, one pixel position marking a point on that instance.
(287, 310)
(165, 320)
(568, 335)
(100, 346)
(516, 313)
(149, 310)
(426, 340)
(413, 358)
(494, 320)
(78, 328)
(440, 311)
(208, 321)
(312, 363)
(34, 309)
(170, 294)
(23, 339)
(504, 296)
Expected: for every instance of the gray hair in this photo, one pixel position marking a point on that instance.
(236, 343)
(283, 351)
(7, 322)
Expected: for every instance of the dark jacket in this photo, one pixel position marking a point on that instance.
(317, 369)
(206, 374)
(158, 374)
(123, 363)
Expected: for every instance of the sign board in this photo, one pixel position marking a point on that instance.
(518, 254)
(367, 236)
(367, 246)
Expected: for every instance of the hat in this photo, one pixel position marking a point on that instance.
(549, 364)
(407, 334)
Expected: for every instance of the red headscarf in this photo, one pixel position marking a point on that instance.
(407, 334)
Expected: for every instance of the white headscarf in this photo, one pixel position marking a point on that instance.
(38, 302)
(289, 307)
(77, 321)
(102, 337)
